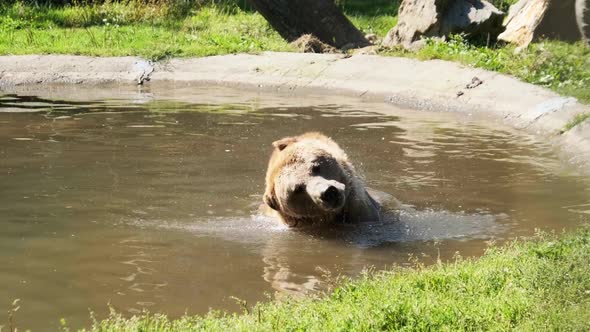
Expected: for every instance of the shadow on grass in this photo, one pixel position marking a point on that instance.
(170, 13)
(88, 13)
(369, 7)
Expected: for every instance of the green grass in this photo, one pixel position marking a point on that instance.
(578, 119)
(377, 16)
(149, 31)
(156, 29)
(540, 285)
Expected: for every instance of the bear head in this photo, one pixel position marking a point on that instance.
(307, 180)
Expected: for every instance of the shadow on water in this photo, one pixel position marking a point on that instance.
(16, 103)
(53, 108)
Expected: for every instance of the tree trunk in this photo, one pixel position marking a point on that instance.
(321, 18)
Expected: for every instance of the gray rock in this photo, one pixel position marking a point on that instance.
(531, 20)
(439, 18)
(583, 19)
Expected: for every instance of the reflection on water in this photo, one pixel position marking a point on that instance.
(152, 204)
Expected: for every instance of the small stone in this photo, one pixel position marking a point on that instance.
(369, 50)
(311, 44)
(372, 38)
(475, 82)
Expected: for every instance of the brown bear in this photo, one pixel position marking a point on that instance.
(309, 181)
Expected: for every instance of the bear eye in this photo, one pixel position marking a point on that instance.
(315, 169)
(299, 189)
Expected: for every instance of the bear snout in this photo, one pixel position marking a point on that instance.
(331, 196)
(328, 194)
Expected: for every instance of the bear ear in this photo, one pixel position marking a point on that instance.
(284, 142)
(270, 201)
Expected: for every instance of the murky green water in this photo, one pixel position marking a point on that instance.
(153, 205)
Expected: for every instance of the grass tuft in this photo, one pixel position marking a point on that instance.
(578, 119)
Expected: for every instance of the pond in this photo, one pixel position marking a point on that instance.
(152, 203)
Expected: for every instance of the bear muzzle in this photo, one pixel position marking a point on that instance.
(327, 194)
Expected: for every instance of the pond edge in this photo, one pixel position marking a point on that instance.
(433, 85)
